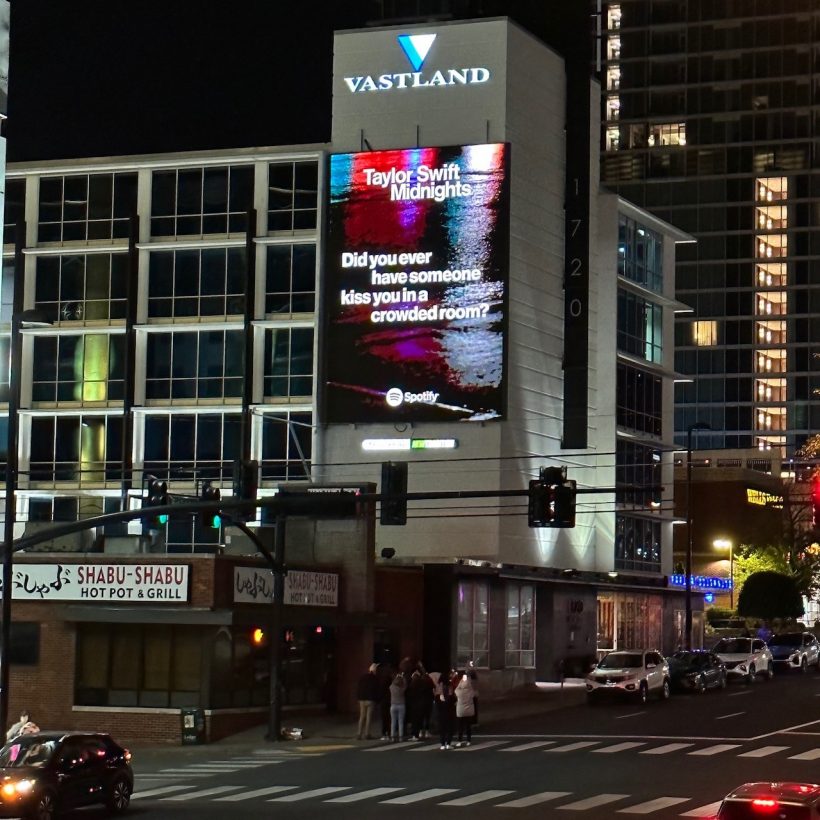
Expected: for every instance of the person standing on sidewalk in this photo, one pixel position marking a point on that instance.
(385, 677)
(465, 710)
(398, 708)
(367, 693)
(445, 710)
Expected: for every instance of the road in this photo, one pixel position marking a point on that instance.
(662, 760)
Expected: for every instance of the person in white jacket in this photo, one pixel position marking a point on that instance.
(465, 710)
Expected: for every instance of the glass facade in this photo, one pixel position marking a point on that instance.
(472, 627)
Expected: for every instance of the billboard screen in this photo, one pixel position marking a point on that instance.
(415, 284)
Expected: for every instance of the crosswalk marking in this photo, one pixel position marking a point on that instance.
(812, 754)
(365, 795)
(386, 747)
(235, 798)
(717, 749)
(156, 792)
(654, 805)
(525, 746)
(293, 798)
(427, 747)
(593, 802)
(236, 764)
(709, 810)
(572, 747)
(200, 769)
(666, 748)
(533, 800)
(764, 751)
(203, 793)
(618, 747)
(479, 797)
(172, 774)
(427, 794)
(475, 747)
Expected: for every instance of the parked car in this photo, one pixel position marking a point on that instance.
(795, 650)
(49, 772)
(751, 801)
(745, 658)
(697, 670)
(636, 673)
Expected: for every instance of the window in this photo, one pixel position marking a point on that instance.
(639, 400)
(520, 632)
(289, 362)
(637, 544)
(292, 196)
(83, 368)
(76, 448)
(472, 627)
(14, 209)
(86, 206)
(206, 442)
(138, 665)
(640, 327)
(197, 201)
(207, 364)
(82, 287)
(286, 439)
(204, 282)
(704, 334)
(24, 644)
(640, 254)
(637, 474)
(291, 279)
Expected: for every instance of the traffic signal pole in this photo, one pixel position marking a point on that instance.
(275, 633)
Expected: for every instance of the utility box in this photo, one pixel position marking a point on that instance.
(193, 726)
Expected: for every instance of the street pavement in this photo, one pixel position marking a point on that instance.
(561, 759)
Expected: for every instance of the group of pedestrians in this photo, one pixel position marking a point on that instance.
(410, 700)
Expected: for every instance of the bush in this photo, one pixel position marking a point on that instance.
(719, 613)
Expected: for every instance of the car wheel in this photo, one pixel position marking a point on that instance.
(700, 688)
(750, 678)
(769, 672)
(666, 690)
(44, 808)
(119, 796)
(642, 692)
(804, 667)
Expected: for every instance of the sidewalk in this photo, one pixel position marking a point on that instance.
(320, 728)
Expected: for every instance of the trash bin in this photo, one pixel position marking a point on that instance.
(193, 726)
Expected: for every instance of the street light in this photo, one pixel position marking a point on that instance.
(698, 425)
(722, 544)
(28, 318)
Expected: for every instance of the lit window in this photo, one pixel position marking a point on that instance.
(704, 334)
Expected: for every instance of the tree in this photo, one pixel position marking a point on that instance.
(770, 595)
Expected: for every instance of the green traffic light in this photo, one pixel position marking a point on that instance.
(216, 521)
(163, 519)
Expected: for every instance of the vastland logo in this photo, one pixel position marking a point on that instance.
(416, 47)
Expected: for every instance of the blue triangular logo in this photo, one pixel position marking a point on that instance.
(416, 47)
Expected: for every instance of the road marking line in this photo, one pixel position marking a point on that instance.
(417, 796)
(170, 775)
(203, 793)
(427, 747)
(813, 754)
(155, 792)
(474, 747)
(366, 795)
(665, 750)
(631, 714)
(479, 797)
(234, 798)
(764, 751)
(710, 810)
(654, 805)
(731, 714)
(593, 802)
(571, 747)
(738, 694)
(524, 746)
(385, 748)
(618, 747)
(532, 800)
(714, 750)
(197, 772)
(293, 798)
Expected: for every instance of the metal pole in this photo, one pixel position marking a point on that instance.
(688, 585)
(731, 575)
(275, 633)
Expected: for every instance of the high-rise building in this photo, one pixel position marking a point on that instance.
(710, 112)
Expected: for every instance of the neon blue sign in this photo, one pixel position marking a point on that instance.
(701, 582)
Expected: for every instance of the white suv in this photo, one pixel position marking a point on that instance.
(795, 650)
(635, 673)
(745, 658)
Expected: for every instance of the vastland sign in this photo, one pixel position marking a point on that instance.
(416, 47)
(416, 279)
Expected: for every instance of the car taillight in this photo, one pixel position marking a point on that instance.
(127, 755)
(766, 804)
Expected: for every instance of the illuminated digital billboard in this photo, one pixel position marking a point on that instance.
(415, 284)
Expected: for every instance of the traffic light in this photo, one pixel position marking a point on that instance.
(246, 486)
(156, 495)
(564, 504)
(551, 499)
(210, 519)
(394, 483)
(541, 506)
(815, 500)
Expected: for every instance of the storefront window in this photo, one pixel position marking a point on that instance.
(629, 621)
(520, 638)
(473, 623)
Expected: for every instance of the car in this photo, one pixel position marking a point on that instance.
(795, 650)
(45, 773)
(778, 801)
(697, 670)
(745, 658)
(636, 673)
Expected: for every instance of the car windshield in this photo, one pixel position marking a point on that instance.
(687, 659)
(793, 639)
(622, 660)
(734, 646)
(26, 751)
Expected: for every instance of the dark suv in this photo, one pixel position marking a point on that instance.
(795, 650)
(47, 772)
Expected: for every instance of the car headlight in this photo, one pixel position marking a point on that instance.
(19, 787)
(741, 667)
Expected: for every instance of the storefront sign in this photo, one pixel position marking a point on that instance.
(760, 499)
(255, 586)
(135, 583)
(701, 582)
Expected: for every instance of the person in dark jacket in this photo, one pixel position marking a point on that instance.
(445, 710)
(385, 676)
(367, 693)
